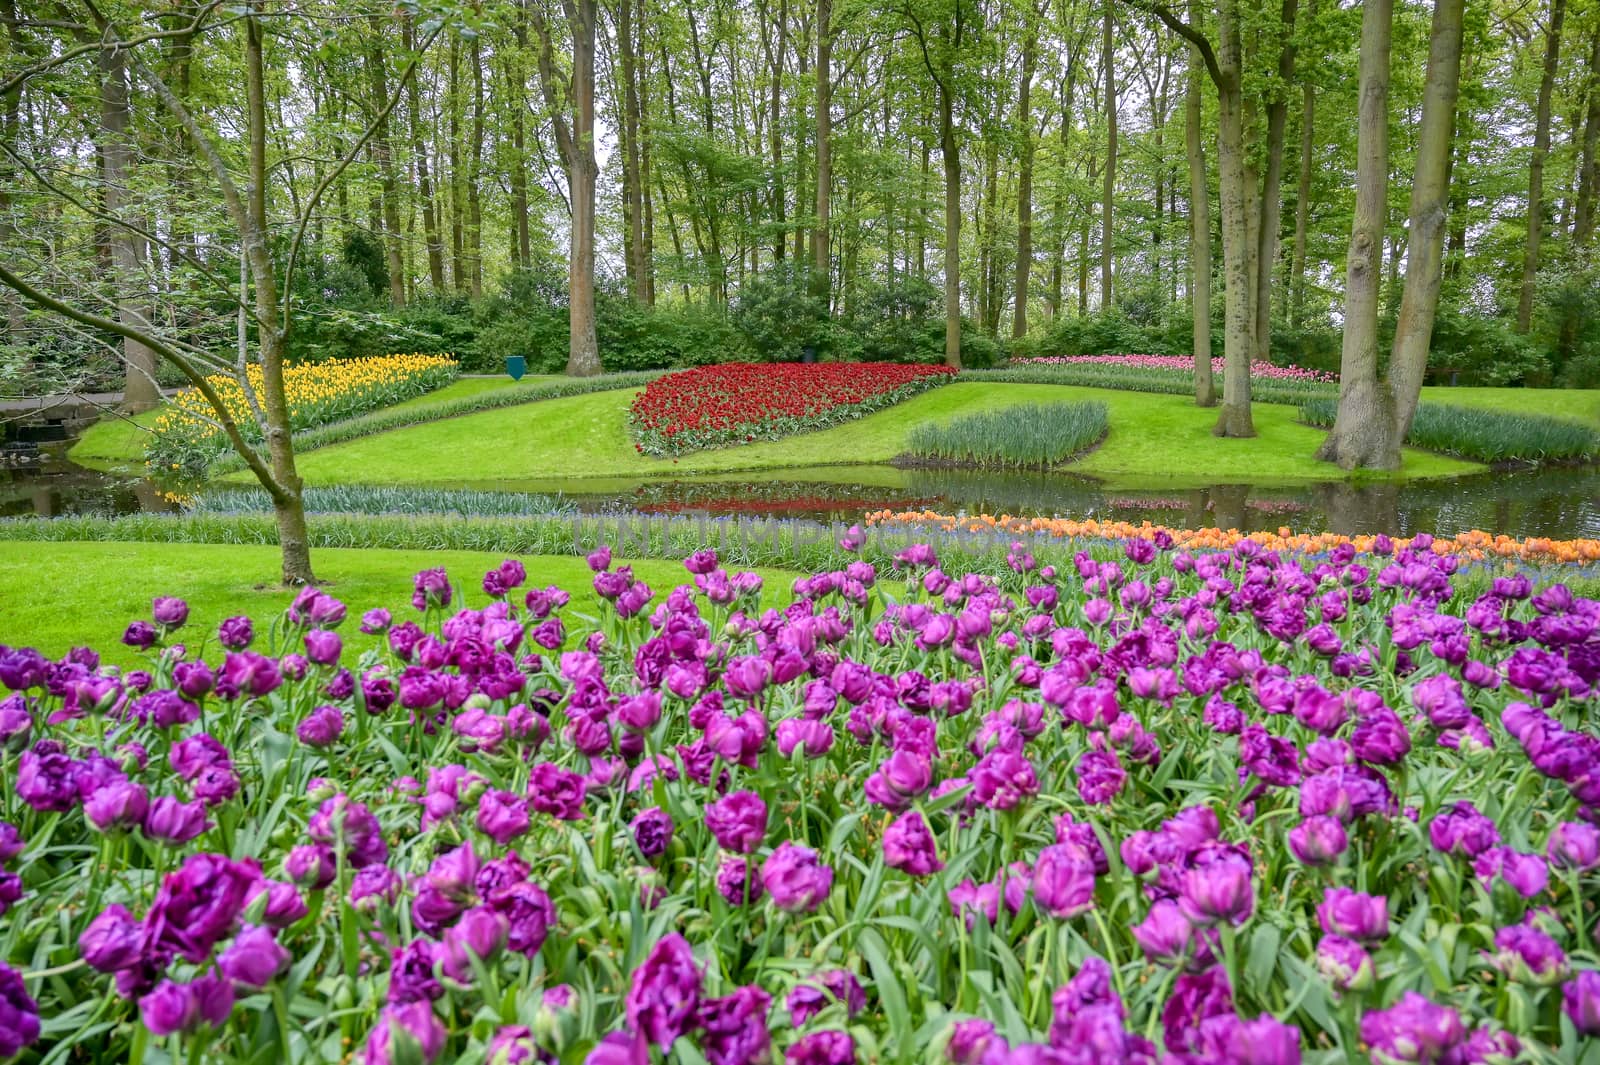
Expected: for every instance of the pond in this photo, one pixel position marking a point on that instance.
(1555, 503)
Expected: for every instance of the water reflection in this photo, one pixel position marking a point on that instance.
(1559, 503)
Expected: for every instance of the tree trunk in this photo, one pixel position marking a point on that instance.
(821, 253)
(988, 270)
(1362, 433)
(287, 498)
(1589, 176)
(139, 390)
(383, 156)
(1271, 186)
(1108, 191)
(1205, 391)
(1541, 149)
(775, 132)
(1233, 416)
(475, 177)
(1030, 47)
(1430, 197)
(430, 207)
(1302, 204)
(951, 154)
(632, 192)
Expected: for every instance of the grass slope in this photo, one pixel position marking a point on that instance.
(95, 589)
(1153, 438)
(1574, 404)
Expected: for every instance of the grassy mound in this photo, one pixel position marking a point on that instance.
(1035, 436)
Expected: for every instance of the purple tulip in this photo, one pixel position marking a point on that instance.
(795, 879)
(1580, 998)
(556, 791)
(1354, 915)
(19, 1014)
(140, 635)
(1413, 1030)
(405, 1033)
(1165, 935)
(502, 816)
(321, 727)
(1063, 880)
(652, 832)
(909, 846)
(323, 647)
(1463, 831)
(118, 806)
(171, 820)
(113, 941)
(976, 1042)
(1345, 963)
(254, 959)
(1318, 840)
(1574, 845)
(733, 1029)
(828, 1047)
(738, 882)
(1195, 998)
(665, 992)
(480, 934)
(812, 996)
(1528, 955)
(738, 821)
(1217, 888)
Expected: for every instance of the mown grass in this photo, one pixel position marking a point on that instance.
(1033, 436)
(1484, 435)
(114, 441)
(97, 588)
(1154, 439)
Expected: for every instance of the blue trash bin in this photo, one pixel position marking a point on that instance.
(516, 366)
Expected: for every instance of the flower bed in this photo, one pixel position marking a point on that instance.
(739, 402)
(1259, 370)
(186, 435)
(1472, 546)
(1231, 806)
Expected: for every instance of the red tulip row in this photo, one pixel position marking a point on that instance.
(737, 403)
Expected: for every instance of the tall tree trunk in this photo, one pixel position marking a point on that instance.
(383, 156)
(1205, 391)
(430, 207)
(139, 390)
(950, 151)
(1430, 197)
(1271, 186)
(294, 540)
(458, 178)
(821, 253)
(922, 214)
(1108, 191)
(632, 190)
(1030, 48)
(775, 60)
(1302, 201)
(475, 178)
(988, 294)
(1233, 416)
(1541, 149)
(1362, 431)
(1589, 176)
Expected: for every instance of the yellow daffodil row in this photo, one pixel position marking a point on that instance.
(186, 434)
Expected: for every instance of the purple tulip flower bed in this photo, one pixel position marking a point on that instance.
(1157, 807)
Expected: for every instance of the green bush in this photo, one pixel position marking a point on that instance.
(1148, 379)
(1472, 349)
(1035, 436)
(1483, 435)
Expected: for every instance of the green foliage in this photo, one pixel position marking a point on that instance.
(1035, 436)
(781, 315)
(363, 254)
(1147, 379)
(1483, 435)
(1112, 333)
(1473, 349)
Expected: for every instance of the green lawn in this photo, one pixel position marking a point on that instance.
(1577, 404)
(54, 596)
(1153, 438)
(114, 441)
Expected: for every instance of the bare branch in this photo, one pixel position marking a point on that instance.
(1199, 40)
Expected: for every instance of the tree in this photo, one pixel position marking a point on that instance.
(570, 99)
(240, 173)
(1541, 150)
(1108, 69)
(1375, 415)
(1205, 392)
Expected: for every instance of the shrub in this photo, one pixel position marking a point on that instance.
(1035, 436)
(1472, 349)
